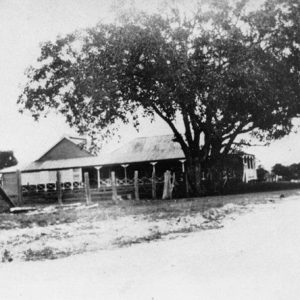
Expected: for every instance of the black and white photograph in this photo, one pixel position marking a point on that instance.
(149, 150)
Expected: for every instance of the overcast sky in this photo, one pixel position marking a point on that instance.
(26, 23)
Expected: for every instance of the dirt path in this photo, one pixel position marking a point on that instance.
(255, 256)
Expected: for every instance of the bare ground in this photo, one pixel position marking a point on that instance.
(53, 232)
(254, 256)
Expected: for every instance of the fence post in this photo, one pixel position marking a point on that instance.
(153, 184)
(167, 185)
(136, 185)
(172, 184)
(58, 187)
(19, 185)
(87, 188)
(185, 177)
(114, 187)
(187, 192)
(98, 177)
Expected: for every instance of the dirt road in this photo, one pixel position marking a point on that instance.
(255, 256)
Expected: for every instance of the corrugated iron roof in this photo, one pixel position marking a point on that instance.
(147, 149)
(63, 164)
(142, 149)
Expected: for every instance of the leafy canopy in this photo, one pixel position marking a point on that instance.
(224, 71)
(7, 159)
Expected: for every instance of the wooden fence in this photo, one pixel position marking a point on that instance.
(12, 188)
(112, 188)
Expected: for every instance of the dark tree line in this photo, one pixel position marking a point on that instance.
(287, 172)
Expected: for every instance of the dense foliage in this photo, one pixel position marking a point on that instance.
(225, 71)
(261, 173)
(7, 159)
(287, 172)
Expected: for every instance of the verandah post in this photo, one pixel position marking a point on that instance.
(136, 185)
(87, 188)
(125, 172)
(58, 187)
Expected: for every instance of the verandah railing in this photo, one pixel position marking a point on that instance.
(148, 187)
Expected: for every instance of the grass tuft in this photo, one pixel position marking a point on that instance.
(45, 253)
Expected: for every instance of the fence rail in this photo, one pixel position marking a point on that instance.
(104, 189)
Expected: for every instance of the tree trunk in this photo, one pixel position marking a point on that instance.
(194, 175)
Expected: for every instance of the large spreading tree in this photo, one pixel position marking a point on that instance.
(224, 70)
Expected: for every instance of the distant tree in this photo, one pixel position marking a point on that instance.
(224, 72)
(281, 170)
(261, 173)
(294, 170)
(7, 159)
(288, 172)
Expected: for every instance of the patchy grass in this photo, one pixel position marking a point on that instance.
(52, 232)
(44, 253)
(123, 242)
(155, 209)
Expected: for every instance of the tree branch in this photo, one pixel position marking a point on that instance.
(188, 133)
(249, 144)
(178, 136)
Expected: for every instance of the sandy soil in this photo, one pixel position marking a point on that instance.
(256, 255)
(61, 239)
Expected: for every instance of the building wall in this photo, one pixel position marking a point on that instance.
(44, 177)
(242, 168)
(249, 165)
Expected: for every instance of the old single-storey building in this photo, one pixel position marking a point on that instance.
(145, 154)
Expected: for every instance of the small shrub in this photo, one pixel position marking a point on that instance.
(6, 256)
(42, 223)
